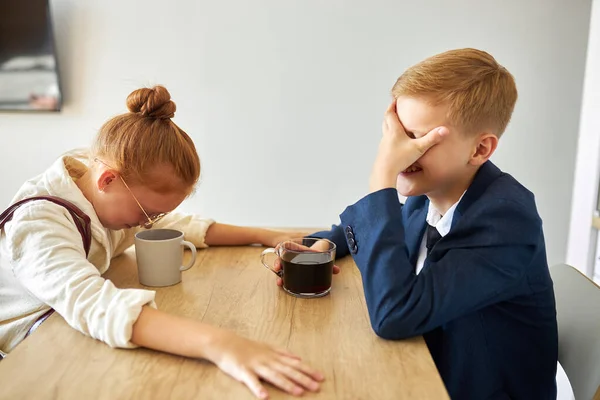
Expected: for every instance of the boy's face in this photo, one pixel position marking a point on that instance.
(442, 170)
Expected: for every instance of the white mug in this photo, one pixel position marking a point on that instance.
(159, 256)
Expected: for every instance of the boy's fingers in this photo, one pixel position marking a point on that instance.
(320, 245)
(391, 108)
(294, 246)
(432, 138)
(391, 121)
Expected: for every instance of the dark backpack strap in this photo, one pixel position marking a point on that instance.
(82, 221)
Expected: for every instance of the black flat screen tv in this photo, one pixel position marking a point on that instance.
(29, 78)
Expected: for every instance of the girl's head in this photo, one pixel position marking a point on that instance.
(142, 164)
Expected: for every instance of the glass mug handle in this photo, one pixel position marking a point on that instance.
(267, 266)
(192, 259)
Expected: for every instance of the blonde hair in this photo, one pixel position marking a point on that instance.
(136, 142)
(480, 93)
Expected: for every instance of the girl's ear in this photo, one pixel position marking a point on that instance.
(106, 178)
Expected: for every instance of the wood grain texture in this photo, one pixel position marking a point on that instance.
(227, 287)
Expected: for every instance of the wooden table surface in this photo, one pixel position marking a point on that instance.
(227, 287)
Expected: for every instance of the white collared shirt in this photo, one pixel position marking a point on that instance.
(442, 223)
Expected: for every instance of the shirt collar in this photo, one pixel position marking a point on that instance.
(442, 223)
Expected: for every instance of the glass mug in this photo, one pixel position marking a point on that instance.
(306, 266)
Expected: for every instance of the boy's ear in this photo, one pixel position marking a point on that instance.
(485, 146)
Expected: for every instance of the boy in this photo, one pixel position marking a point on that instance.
(463, 262)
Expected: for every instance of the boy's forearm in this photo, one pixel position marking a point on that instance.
(158, 330)
(231, 235)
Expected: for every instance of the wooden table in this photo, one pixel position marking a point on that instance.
(230, 288)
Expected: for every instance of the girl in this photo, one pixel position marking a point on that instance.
(141, 167)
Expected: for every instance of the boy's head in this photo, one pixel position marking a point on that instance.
(467, 91)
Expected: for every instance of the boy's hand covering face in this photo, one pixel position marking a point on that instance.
(397, 151)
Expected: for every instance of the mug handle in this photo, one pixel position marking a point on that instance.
(262, 260)
(193, 260)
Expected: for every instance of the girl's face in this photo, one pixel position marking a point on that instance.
(121, 205)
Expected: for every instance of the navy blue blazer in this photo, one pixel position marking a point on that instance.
(484, 301)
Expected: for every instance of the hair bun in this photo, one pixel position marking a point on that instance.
(154, 103)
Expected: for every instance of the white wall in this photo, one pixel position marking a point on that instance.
(284, 98)
(582, 244)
